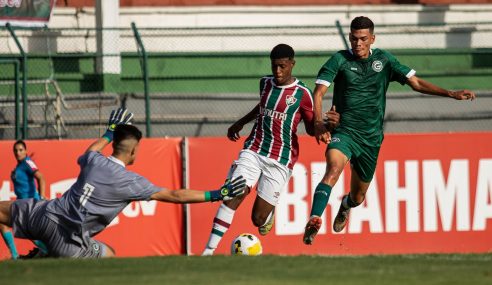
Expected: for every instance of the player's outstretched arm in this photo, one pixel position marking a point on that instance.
(228, 191)
(234, 129)
(5, 217)
(422, 86)
(120, 116)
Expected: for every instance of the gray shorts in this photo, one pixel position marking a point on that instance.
(30, 222)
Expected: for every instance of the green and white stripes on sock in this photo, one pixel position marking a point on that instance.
(221, 224)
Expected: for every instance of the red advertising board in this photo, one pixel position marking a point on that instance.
(143, 228)
(432, 193)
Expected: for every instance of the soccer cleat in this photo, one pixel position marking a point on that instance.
(341, 219)
(312, 228)
(33, 253)
(266, 228)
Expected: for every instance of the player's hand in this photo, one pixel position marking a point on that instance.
(463, 95)
(321, 133)
(233, 132)
(233, 188)
(120, 116)
(331, 119)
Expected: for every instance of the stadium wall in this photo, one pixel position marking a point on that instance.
(432, 193)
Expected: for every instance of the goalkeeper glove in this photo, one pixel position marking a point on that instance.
(228, 191)
(120, 116)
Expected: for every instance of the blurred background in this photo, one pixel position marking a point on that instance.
(191, 68)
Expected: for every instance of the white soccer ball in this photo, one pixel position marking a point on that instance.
(246, 244)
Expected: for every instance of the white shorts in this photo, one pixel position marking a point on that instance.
(271, 176)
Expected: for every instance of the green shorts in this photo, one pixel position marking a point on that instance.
(363, 158)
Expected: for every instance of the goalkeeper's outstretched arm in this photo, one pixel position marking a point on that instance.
(228, 191)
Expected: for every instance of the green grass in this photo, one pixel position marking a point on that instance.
(368, 270)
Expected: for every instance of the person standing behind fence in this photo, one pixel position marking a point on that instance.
(23, 176)
(361, 76)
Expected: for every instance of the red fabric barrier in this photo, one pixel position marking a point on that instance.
(143, 228)
(431, 193)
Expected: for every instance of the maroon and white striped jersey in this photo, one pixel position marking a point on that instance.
(274, 133)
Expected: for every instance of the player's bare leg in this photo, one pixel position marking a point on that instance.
(5, 230)
(336, 162)
(222, 221)
(263, 215)
(358, 189)
(5, 212)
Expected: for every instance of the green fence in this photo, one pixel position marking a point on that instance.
(187, 70)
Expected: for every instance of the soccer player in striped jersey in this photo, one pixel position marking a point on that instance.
(104, 187)
(272, 149)
(361, 77)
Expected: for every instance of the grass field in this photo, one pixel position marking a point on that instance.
(285, 270)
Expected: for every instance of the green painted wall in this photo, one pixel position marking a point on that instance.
(238, 73)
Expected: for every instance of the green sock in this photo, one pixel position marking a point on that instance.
(41, 246)
(321, 196)
(9, 241)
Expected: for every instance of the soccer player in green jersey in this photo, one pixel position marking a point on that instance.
(361, 77)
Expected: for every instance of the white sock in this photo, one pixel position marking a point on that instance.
(268, 218)
(222, 222)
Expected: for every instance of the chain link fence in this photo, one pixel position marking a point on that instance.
(200, 80)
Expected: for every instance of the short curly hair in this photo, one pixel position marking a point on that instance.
(361, 23)
(282, 51)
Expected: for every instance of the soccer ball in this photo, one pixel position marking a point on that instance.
(246, 244)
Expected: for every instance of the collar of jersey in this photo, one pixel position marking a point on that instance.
(115, 160)
(285, 86)
(352, 53)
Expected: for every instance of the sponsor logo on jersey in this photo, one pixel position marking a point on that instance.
(353, 68)
(290, 100)
(377, 66)
(273, 114)
(335, 139)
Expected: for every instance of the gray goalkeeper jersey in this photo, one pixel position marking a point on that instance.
(102, 190)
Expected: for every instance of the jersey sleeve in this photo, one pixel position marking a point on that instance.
(306, 107)
(31, 167)
(84, 159)
(329, 70)
(399, 72)
(262, 84)
(141, 189)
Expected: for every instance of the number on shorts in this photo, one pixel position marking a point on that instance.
(87, 194)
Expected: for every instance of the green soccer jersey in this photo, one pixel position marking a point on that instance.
(360, 91)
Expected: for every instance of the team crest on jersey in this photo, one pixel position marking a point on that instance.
(290, 100)
(377, 66)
